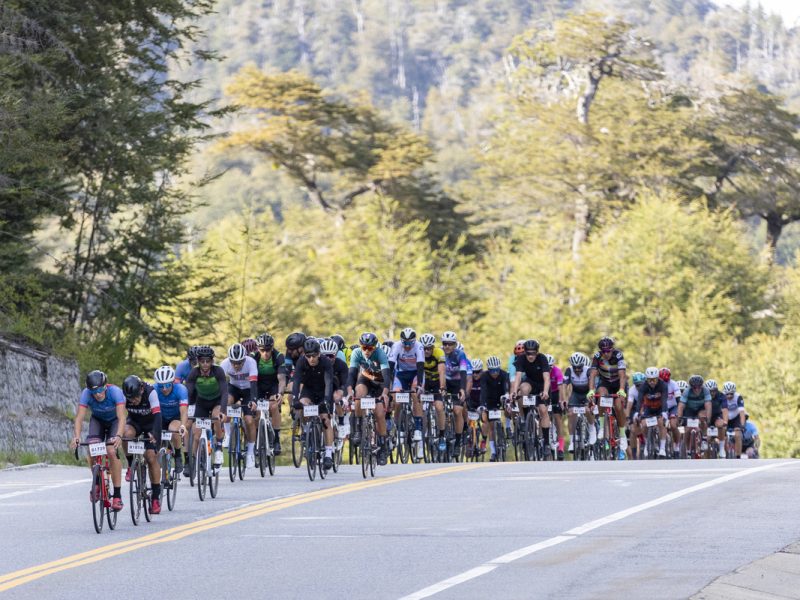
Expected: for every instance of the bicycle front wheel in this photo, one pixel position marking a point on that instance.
(144, 496)
(97, 498)
(261, 448)
(271, 454)
(233, 451)
(172, 481)
(311, 448)
(201, 464)
(191, 455)
(297, 444)
(133, 496)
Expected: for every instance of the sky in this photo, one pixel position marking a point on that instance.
(788, 9)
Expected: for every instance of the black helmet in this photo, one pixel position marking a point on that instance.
(531, 345)
(204, 352)
(295, 340)
(695, 381)
(339, 341)
(265, 340)
(368, 339)
(605, 343)
(132, 386)
(95, 379)
(311, 346)
(191, 354)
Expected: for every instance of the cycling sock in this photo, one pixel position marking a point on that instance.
(251, 446)
(185, 456)
(227, 427)
(341, 420)
(663, 444)
(491, 446)
(546, 434)
(622, 432)
(441, 433)
(117, 492)
(218, 445)
(328, 451)
(561, 444)
(156, 491)
(130, 459)
(418, 423)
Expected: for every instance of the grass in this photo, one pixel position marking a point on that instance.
(21, 459)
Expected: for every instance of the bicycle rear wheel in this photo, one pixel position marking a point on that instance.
(271, 453)
(111, 515)
(213, 482)
(320, 454)
(403, 439)
(337, 445)
(233, 451)
(144, 496)
(366, 446)
(191, 455)
(97, 498)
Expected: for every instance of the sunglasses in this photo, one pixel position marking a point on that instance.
(205, 361)
(265, 348)
(367, 348)
(448, 343)
(312, 355)
(531, 353)
(237, 363)
(494, 371)
(163, 386)
(98, 390)
(408, 344)
(652, 380)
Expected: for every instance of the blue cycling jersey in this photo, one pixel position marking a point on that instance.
(372, 365)
(454, 363)
(182, 370)
(172, 402)
(106, 409)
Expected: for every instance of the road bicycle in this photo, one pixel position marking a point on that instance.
(207, 473)
(139, 491)
(265, 440)
(236, 444)
(170, 476)
(101, 483)
(368, 448)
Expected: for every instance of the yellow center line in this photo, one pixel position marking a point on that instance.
(16, 578)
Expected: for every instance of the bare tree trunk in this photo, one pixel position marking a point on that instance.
(775, 225)
(585, 100)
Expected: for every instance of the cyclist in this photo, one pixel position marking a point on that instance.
(242, 373)
(456, 368)
(556, 403)
(736, 415)
(271, 381)
(576, 388)
(695, 403)
(608, 364)
(144, 418)
(719, 415)
(474, 399)
(183, 367)
(173, 398)
(407, 361)
(330, 350)
(433, 364)
(107, 405)
(751, 442)
(370, 375)
(652, 400)
(294, 350)
(314, 373)
(519, 350)
(207, 387)
(632, 410)
(536, 371)
(675, 392)
(250, 346)
(494, 386)
(344, 351)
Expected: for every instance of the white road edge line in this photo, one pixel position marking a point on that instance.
(491, 565)
(43, 488)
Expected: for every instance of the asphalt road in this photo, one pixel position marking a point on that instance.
(513, 530)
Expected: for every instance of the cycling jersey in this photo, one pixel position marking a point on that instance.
(269, 367)
(208, 389)
(475, 393)
(339, 374)
(578, 381)
(171, 403)
(695, 402)
(556, 378)
(147, 413)
(371, 367)
(534, 370)
(105, 409)
(609, 368)
(406, 360)
(182, 370)
(512, 369)
(244, 378)
(652, 400)
(718, 402)
(673, 394)
(749, 433)
(493, 388)
(454, 363)
(431, 365)
(735, 404)
(317, 380)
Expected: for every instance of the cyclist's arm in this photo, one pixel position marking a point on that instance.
(420, 373)
(742, 417)
(392, 370)
(386, 374)
(442, 374)
(515, 383)
(725, 414)
(484, 389)
(299, 370)
(329, 385)
(191, 388)
(352, 377)
(546, 377)
(121, 415)
(155, 409)
(223, 390)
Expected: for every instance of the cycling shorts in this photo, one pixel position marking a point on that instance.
(374, 388)
(453, 386)
(267, 390)
(734, 424)
(204, 408)
(316, 397)
(578, 398)
(405, 380)
(611, 386)
(101, 430)
(692, 413)
(649, 412)
(141, 427)
(243, 396)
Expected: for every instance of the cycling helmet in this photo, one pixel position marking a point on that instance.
(250, 345)
(386, 349)
(459, 346)
(408, 335)
(531, 345)
(695, 381)
(729, 387)
(164, 375)
(651, 373)
(477, 365)
(96, 379)
(132, 386)
(204, 352)
(295, 340)
(428, 340)
(368, 339)
(519, 347)
(339, 341)
(311, 346)
(550, 360)
(711, 385)
(605, 343)
(389, 343)
(492, 362)
(682, 385)
(237, 353)
(265, 340)
(579, 359)
(329, 348)
(664, 374)
(449, 337)
(191, 353)
(638, 378)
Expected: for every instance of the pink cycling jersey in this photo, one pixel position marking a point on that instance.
(556, 378)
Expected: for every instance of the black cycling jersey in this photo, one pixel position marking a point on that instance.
(609, 368)
(718, 402)
(492, 388)
(653, 398)
(534, 371)
(316, 380)
(147, 413)
(340, 374)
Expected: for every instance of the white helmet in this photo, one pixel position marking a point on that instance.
(579, 359)
(328, 347)
(477, 364)
(408, 335)
(428, 340)
(651, 373)
(237, 353)
(729, 387)
(683, 385)
(386, 349)
(449, 337)
(711, 385)
(164, 375)
(550, 360)
(492, 362)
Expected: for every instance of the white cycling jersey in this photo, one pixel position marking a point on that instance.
(241, 379)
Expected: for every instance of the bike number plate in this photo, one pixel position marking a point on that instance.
(515, 409)
(473, 416)
(402, 398)
(651, 421)
(135, 447)
(529, 400)
(234, 412)
(98, 449)
(344, 430)
(190, 411)
(311, 410)
(426, 397)
(712, 431)
(494, 415)
(166, 436)
(692, 423)
(606, 402)
(203, 423)
(578, 410)
(549, 408)
(681, 429)
(367, 403)
(262, 405)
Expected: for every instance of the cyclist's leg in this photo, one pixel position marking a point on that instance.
(114, 463)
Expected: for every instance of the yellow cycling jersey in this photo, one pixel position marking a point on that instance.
(432, 364)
